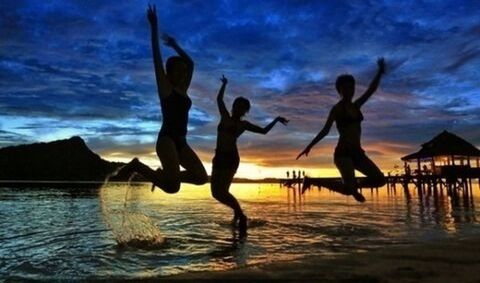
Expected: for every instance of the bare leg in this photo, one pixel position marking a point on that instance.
(375, 177)
(194, 172)
(220, 183)
(347, 169)
(168, 179)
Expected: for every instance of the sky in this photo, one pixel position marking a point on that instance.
(85, 68)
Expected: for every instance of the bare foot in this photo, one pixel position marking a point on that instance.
(358, 197)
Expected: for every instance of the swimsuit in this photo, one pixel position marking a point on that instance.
(348, 126)
(175, 108)
(227, 159)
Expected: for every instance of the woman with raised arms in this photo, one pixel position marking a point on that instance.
(227, 160)
(171, 147)
(349, 155)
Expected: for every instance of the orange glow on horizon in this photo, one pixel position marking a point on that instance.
(249, 170)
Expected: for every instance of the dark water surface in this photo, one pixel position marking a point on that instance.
(63, 234)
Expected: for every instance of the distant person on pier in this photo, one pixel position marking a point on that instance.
(226, 159)
(425, 170)
(408, 171)
(349, 155)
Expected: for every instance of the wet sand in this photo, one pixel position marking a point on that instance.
(454, 260)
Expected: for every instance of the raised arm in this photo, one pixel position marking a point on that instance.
(259, 130)
(171, 42)
(163, 84)
(373, 85)
(221, 105)
(321, 134)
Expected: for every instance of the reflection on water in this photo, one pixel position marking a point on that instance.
(59, 234)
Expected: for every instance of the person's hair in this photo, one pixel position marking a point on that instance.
(344, 80)
(241, 102)
(172, 61)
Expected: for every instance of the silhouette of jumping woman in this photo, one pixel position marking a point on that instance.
(171, 147)
(226, 159)
(349, 154)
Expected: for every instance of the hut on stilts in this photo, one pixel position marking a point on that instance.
(445, 161)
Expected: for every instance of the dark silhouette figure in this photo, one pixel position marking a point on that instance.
(349, 154)
(226, 159)
(288, 174)
(171, 147)
(294, 175)
(303, 174)
(408, 171)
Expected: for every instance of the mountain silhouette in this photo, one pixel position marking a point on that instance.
(61, 160)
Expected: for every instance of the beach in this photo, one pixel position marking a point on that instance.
(453, 260)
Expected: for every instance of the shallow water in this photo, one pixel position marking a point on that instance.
(64, 234)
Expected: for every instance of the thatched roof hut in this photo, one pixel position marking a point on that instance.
(446, 149)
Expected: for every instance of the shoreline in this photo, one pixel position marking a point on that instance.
(451, 260)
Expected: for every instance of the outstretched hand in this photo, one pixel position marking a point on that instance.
(168, 40)
(282, 120)
(381, 65)
(223, 80)
(152, 14)
(305, 152)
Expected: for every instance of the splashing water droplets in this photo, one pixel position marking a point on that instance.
(130, 226)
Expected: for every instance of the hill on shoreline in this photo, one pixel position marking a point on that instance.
(67, 160)
(61, 160)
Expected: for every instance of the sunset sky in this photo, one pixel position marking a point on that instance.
(85, 68)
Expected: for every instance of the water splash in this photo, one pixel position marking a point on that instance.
(130, 226)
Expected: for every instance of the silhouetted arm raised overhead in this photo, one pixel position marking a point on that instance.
(163, 84)
(171, 42)
(373, 85)
(259, 130)
(220, 103)
(321, 134)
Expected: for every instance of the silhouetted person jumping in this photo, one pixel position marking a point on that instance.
(349, 154)
(171, 147)
(226, 159)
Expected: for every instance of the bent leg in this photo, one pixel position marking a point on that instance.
(220, 184)
(194, 172)
(375, 177)
(346, 167)
(347, 171)
(168, 179)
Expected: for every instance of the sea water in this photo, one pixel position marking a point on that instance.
(124, 232)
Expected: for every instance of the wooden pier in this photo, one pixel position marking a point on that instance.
(445, 162)
(456, 178)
